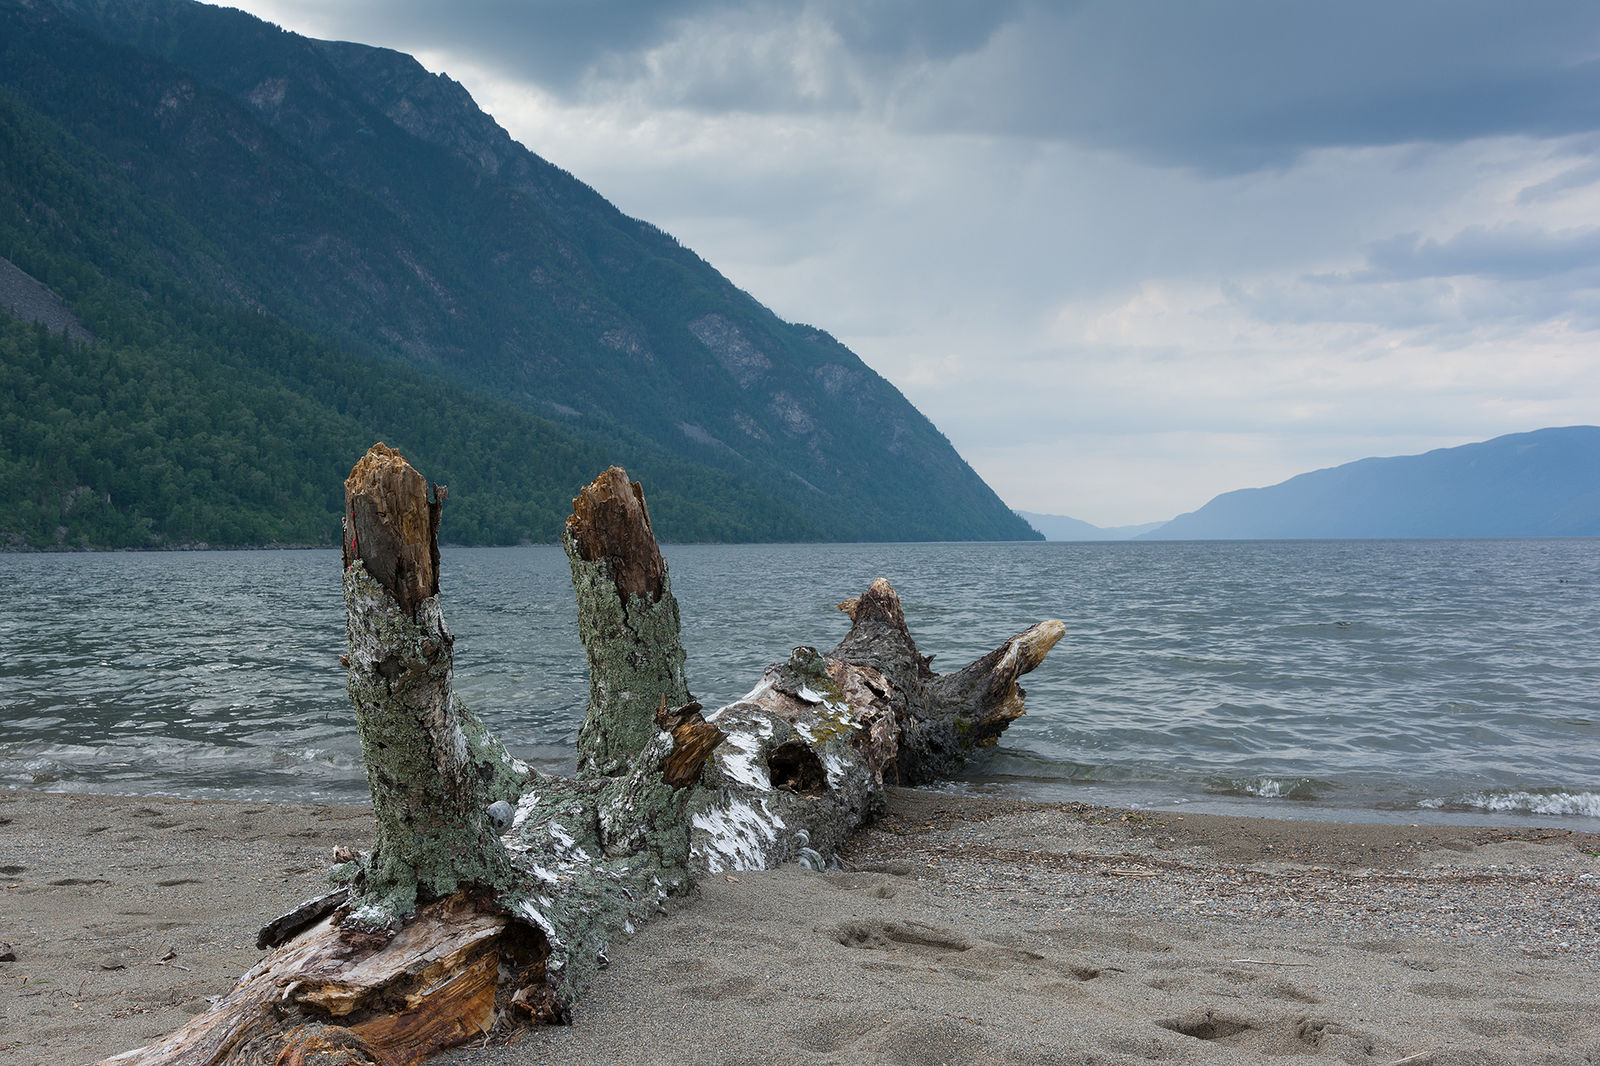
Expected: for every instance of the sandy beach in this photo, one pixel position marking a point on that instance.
(954, 931)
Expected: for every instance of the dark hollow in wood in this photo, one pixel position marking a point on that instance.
(794, 766)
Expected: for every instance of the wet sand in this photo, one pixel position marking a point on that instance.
(956, 930)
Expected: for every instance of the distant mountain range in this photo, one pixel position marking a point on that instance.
(267, 252)
(1060, 527)
(1540, 484)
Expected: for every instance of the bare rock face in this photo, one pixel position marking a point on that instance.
(26, 297)
(728, 344)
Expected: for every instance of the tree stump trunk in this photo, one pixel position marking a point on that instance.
(492, 894)
(627, 619)
(432, 767)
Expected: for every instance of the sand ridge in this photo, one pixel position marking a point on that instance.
(956, 930)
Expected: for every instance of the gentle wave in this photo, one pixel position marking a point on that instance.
(1291, 679)
(1518, 801)
(1294, 788)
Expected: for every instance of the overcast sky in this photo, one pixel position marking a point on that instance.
(1125, 255)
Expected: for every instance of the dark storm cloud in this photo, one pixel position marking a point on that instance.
(902, 29)
(555, 43)
(550, 42)
(1237, 85)
(1223, 86)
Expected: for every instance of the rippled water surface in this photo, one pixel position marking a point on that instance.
(1412, 680)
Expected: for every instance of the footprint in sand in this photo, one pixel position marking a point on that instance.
(1291, 991)
(879, 1037)
(910, 936)
(961, 957)
(1207, 1025)
(1280, 1036)
(840, 1031)
(878, 886)
(1549, 1029)
(1102, 939)
(728, 989)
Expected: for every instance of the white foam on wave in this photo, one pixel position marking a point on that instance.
(1271, 787)
(1581, 804)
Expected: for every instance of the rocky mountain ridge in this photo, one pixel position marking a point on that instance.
(348, 193)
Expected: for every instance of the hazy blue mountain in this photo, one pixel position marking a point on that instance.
(167, 167)
(1540, 484)
(1060, 527)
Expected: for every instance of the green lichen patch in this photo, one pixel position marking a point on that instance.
(635, 660)
(431, 766)
(805, 676)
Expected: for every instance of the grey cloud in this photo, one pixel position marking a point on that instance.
(1576, 177)
(910, 29)
(1226, 86)
(549, 42)
(1433, 313)
(1235, 86)
(563, 44)
(1507, 253)
(1478, 278)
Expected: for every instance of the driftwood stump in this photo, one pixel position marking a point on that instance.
(627, 619)
(492, 894)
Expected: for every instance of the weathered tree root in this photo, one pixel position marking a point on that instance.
(471, 913)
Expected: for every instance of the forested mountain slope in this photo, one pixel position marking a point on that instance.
(181, 175)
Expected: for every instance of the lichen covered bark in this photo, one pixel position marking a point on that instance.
(430, 789)
(808, 752)
(595, 859)
(432, 768)
(628, 621)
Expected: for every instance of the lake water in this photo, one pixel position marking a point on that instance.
(1414, 681)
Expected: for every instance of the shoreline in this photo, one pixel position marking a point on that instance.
(1166, 801)
(1050, 792)
(958, 928)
